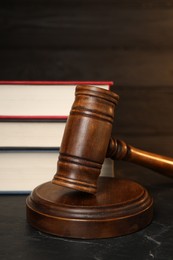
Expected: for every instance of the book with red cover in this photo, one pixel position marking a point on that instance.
(34, 113)
(32, 119)
(39, 100)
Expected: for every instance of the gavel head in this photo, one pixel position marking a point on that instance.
(86, 138)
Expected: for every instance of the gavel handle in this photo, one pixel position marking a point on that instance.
(119, 150)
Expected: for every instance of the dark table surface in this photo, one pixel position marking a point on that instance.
(20, 241)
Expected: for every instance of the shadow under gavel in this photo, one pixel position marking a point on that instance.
(87, 141)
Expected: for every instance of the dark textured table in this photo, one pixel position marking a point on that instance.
(20, 241)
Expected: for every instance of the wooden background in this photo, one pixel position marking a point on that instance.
(129, 42)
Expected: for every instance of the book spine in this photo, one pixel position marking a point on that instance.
(37, 118)
(15, 118)
(12, 149)
(6, 82)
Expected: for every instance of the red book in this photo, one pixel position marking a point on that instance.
(39, 100)
(32, 121)
(45, 105)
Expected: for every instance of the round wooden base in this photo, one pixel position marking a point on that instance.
(119, 207)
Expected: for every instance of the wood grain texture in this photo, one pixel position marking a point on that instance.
(126, 68)
(120, 207)
(86, 27)
(128, 42)
(119, 150)
(132, 42)
(86, 138)
(148, 110)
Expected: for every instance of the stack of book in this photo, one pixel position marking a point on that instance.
(32, 121)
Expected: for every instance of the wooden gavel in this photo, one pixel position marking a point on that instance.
(87, 141)
(120, 206)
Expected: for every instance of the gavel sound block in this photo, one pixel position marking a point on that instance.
(80, 204)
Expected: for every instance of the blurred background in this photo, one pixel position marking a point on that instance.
(128, 42)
